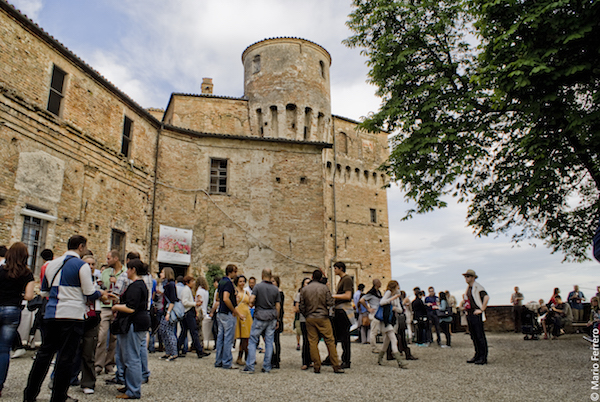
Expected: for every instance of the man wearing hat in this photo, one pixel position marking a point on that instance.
(475, 304)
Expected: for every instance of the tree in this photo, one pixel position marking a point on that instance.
(510, 125)
(214, 271)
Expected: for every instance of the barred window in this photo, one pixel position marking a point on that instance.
(218, 176)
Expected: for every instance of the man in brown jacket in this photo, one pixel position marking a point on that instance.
(315, 303)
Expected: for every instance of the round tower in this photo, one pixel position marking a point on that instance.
(286, 81)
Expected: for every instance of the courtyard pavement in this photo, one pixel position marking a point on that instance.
(518, 370)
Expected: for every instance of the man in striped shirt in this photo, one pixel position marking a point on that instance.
(68, 285)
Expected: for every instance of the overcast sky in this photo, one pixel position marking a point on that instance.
(152, 48)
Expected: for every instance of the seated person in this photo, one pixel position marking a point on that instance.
(543, 312)
(560, 317)
(594, 318)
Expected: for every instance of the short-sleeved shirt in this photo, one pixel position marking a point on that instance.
(516, 299)
(226, 286)
(575, 300)
(267, 296)
(203, 294)
(11, 289)
(346, 284)
(433, 300)
(136, 298)
(301, 317)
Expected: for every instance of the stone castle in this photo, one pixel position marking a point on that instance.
(270, 179)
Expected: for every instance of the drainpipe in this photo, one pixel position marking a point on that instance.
(154, 194)
(335, 246)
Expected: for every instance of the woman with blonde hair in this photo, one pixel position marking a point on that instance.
(166, 327)
(16, 284)
(391, 305)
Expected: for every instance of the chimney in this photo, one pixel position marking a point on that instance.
(207, 86)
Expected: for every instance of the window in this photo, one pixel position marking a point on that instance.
(341, 140)
(373, 215)
(56, 90)
(117, 242)
(256, 64)
(218, 176)
(33, 237)
(126, 140)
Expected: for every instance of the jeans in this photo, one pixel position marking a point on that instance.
(266, 328)
(435, 322)
(10, 316)
(60, 336)
(130, 350)
(143, 356)
(224, 341)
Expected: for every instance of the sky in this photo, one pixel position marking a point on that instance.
(152, 48)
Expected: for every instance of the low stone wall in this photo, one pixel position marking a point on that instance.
(500, 319)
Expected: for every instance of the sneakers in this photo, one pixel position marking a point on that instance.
(246, 370)
(298, 347)
(18, 353)
(446, 346)
(88, 391)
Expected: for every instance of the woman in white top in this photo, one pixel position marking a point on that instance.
(202, 300)
(391, 305)
(188, 324)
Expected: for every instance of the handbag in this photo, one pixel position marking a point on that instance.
(365, 321)
(177, 312)
(120, 325)
(379, 313)
(444, 313)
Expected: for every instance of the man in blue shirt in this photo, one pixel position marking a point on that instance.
(432, 304)
(226, 318)
(576, 299)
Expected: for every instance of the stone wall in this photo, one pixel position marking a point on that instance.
(69, 166)
(270, 217)
(292, 203)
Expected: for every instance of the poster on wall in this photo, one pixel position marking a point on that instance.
(174, 245)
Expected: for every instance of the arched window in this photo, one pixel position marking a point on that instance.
(256, 64)
(341, 143)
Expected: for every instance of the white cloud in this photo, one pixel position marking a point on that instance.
(31, 8)
(153, 48)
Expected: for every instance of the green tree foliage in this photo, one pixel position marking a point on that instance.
(214, 271)
(495, 103)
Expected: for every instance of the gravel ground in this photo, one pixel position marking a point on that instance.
(517, 371)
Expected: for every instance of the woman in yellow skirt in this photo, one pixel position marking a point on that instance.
(242, 328)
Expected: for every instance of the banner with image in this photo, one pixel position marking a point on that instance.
(174, 245)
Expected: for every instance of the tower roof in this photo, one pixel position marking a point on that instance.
(284, 39)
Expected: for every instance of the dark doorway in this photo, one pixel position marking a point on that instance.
(178, 269)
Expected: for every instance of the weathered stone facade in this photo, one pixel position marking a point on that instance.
(300, 187)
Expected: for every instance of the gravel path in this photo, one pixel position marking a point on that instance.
(517, 371)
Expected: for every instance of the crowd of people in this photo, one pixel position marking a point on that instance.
(557, 313)
(108, 319)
